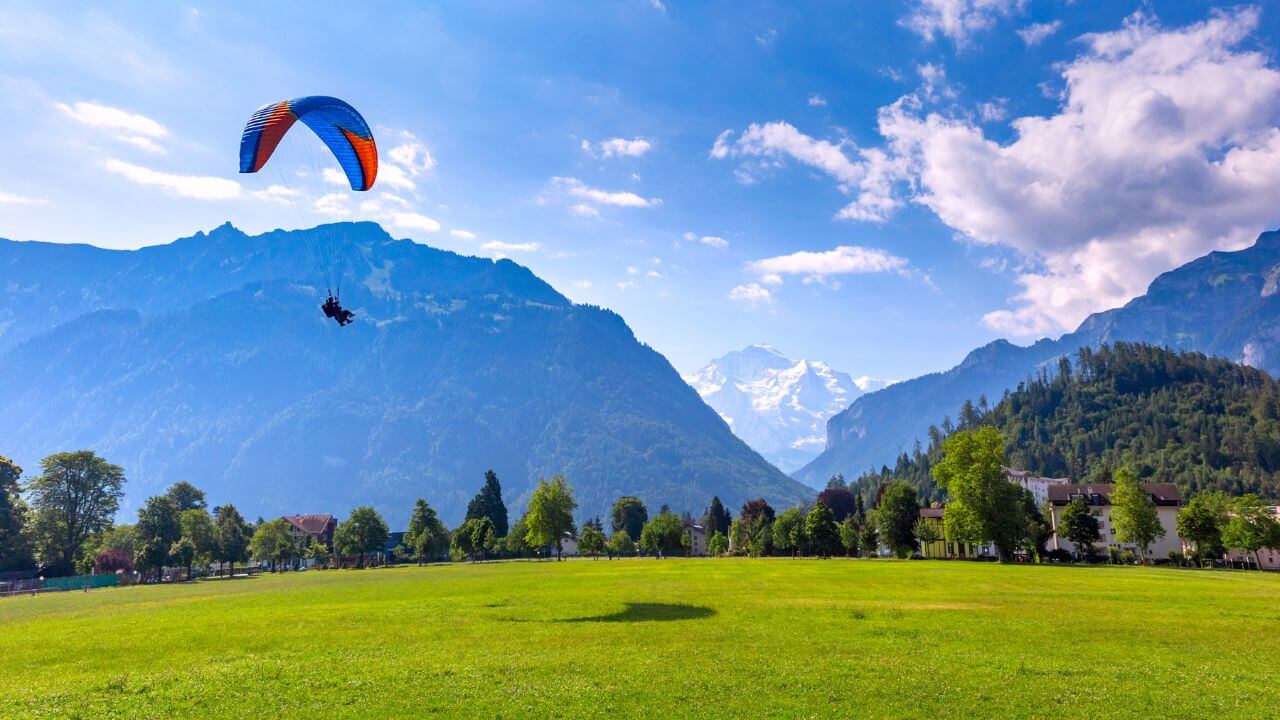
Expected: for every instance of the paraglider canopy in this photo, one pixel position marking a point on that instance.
(336, 123)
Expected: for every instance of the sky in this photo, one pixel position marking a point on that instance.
(881, 186)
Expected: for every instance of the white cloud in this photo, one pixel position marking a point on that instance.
(504, 247)
(957, 20)
(618, 147)
(575, 188)
(334, 176)
(105, 117)
(411, 154)
(654, 274)
(582, 284)
(933, 82)
(142, 143)
(1166, 146)
(751, 293)
(767, 38)
(992, 111)
(712, 240)
(843, 260)
(463, 234)
(816, 100)
(657, 5)
(278, 194)
(393, 176)
(626, 284)
(334, 205)
(188, 186)
(1037, 33)
(12, 199)
(633, 270)
(584, 210)
(414, 221)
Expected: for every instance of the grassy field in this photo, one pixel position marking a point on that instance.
(646, 638)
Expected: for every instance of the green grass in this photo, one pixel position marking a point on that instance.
(646, 638)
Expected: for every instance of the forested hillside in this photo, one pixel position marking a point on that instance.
(1202, 423)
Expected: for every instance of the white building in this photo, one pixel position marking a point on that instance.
(697, 536)
(1098, 497)
(1267, 558)
(1039, 486)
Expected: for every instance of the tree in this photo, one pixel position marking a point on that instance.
(591, 541)
(198, 529)
(427, 537)
(1202, 520)
(233, 536)
(848, 529)
(820, 528)
(186, 496)
(488, 503)
(788, 531)
(316, 552)
(484, 537)
(836, 482)
(760, 536)
(76, 495)
(896, 517)
(15, 541)
(159, 527)
(363, 532)
(1251, 527)
(629, 514)
(550, 514)
(1080, 526)
(621, 544)
(112, 561)
(182, 554)
(926, 532)
(664, 534)
(868, 539)
(1133, 513)
(840, 500)
(272, 542)
(718, 518)
(984, 507)
(718, 545)
(515, 540)
(738, 538)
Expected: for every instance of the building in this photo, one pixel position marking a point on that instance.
(1039, 486)
(319, 527)
(944, 548)
(1165, 496)
(697, 536)
(568, 545)
(1266, 558)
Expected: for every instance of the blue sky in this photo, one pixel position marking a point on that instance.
(883, 186)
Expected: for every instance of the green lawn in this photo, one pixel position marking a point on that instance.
(646, 638)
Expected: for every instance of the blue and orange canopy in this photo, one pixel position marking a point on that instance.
(342, 129)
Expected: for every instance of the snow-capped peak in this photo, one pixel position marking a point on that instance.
(777, 405)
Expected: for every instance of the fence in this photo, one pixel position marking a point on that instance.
(28, 583)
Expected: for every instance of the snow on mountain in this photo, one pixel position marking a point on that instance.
(777, 405)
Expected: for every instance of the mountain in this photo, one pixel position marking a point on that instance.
(208, 360)
(1224, 304)
(1202, 423)
(779, 406)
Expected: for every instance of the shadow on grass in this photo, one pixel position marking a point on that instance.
(648, 612)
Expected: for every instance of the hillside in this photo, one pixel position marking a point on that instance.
(777, 405)
(1224, 304)
(1202, 423)
(208, 360)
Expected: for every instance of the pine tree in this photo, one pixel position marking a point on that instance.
(488, 503)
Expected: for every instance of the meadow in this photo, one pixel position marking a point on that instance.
(646, 638)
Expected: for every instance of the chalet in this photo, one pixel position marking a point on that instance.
(318, 527)
(1098, 497)
(697, 536)
(1039, 486)
(944, 548)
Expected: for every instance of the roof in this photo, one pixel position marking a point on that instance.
(931, 512)
(311, 524)
(1025, 475)
(1165, 494)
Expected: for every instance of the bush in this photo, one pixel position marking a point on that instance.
(1122, 557)
(1177, 558)
(111, 561)
(1058, 555)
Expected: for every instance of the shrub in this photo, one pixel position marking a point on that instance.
(110, 561)
(1058, 555)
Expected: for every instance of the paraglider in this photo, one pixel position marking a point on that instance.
(347, 136)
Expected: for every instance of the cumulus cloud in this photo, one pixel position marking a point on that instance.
(1166, 146)
(714, 241)
(505, 247)
(335, 205)
(618, 147)
(1037, 33)
(816, 100)
(14, 199)
(843, 260)
(584, 210)
(752, 293)
(188, 186)
(626, 284)
(105, 117)
(463, 234)
(588, 199)
(414, 221)
(958, 20)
